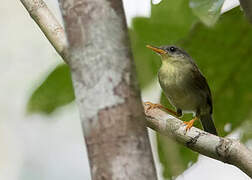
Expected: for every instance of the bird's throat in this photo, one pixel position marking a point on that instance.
(169, 70)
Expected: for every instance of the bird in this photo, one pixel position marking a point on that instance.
(184, 86)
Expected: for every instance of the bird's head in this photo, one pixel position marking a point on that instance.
(171, 53)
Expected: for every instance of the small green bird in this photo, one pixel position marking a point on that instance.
(184, 86)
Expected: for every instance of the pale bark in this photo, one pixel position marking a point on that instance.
(47, 22)
(106, 90)
(224, 149)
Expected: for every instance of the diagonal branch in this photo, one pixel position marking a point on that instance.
(49, 25)
(224, 149)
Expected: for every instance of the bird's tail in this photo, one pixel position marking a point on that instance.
(208, 124)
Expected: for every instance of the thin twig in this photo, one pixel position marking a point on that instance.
(49, 25)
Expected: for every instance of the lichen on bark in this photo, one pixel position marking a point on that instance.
(106, 90)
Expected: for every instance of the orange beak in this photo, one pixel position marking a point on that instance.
(158, 50)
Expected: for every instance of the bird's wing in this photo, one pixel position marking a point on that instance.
(201, 85)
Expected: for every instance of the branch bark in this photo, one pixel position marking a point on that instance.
(49, 25)
(224, 149)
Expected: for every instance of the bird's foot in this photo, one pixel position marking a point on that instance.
(153, 106)
(189, 124)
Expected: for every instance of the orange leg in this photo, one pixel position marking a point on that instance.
(190, 123)
(153, 106)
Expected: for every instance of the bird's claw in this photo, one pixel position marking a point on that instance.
(189, 124)
(152, 105)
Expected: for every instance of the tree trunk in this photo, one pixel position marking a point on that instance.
(106, 90)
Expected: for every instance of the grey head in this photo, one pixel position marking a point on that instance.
(172, 53)
(174, 50)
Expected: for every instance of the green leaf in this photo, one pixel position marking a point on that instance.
(55, 91)
(170, 21)
(208, 11)
(223, 54)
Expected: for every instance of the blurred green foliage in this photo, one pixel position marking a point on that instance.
(246, 131)
(55, 91)
(223, 53)
(208, 11)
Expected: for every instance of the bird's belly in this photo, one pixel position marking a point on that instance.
(182, 100)
(180, 95)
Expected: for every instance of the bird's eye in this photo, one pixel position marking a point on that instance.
(172, 49)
